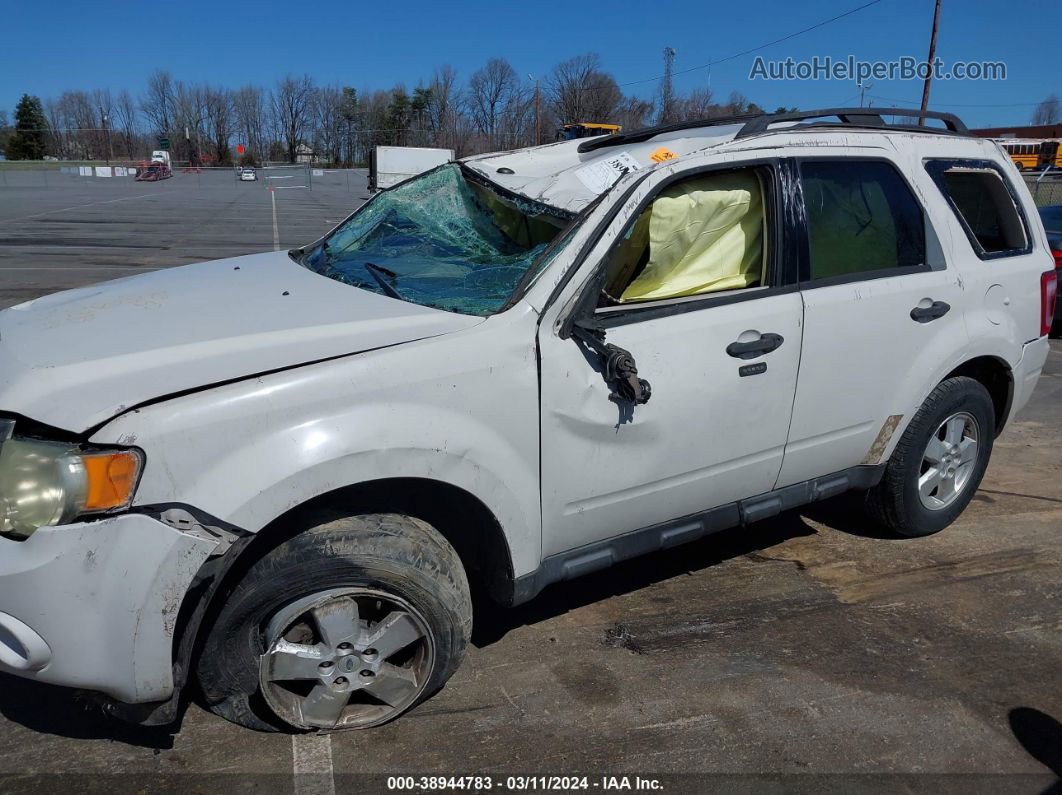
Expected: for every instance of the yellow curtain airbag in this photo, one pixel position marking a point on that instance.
(704, 235)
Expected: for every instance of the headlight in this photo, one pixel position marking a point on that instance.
(49, 483)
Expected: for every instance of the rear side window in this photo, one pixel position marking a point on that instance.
(862, 218)
(985, 205)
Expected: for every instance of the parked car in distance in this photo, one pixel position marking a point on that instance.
(282, 474)
(1052, 221)
(248, 174)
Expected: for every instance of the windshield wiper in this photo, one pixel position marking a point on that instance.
(381, 275)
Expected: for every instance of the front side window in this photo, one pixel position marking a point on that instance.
(984, 204)
(861, 217)
(702, 235)
(440, 240)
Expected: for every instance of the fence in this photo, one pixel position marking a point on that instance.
(1045, 188)
(114, 175)
(286, 177)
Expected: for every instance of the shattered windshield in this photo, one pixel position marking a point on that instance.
(439, 240)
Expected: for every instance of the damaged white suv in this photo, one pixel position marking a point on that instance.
(282, 474)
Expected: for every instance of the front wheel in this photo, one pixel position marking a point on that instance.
(346, 625)
(939, 461)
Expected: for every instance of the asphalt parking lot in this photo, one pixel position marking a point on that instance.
(58, 231)
(806, 652)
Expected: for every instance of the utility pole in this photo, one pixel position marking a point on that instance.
(538, 113)
(538, 110)
(107, 129)
(929, 65)
(863, 89)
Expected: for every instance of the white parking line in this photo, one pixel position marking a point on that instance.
(276, 233)
(311, 757)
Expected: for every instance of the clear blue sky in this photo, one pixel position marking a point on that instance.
(58, 45)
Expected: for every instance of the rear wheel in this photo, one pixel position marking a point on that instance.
(344, 626)
(939, 461)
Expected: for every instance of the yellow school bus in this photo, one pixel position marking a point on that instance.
(1033, 154)
(586, 129)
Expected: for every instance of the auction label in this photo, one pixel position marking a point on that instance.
(602, 175)
(523, 783)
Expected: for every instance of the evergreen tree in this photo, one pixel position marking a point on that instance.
(398, 116)
(28, 141)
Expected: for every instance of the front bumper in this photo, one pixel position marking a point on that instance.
(93, 605)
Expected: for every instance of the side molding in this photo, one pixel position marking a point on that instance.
(602, 554)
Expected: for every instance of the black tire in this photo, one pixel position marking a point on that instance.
(895, 502)
(387, 553)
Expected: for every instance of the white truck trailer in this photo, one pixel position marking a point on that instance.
(389, 165)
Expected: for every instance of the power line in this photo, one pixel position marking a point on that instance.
(787, 37)
(964, 105)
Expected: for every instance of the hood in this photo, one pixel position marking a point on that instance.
(561, 176)
(75, 359)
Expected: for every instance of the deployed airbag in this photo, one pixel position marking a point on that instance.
(705, 234)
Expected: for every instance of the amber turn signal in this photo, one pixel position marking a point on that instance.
(111, 478)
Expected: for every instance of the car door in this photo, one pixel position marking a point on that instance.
(882, 313)
(721, 360)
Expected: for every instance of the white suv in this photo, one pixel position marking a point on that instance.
(282, 473)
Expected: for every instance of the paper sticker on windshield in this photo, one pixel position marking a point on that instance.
(602, 175)
(662, 154)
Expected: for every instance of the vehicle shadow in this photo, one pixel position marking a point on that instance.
(65, 713)
(492, 621)
(846, 513)
(1041, 736)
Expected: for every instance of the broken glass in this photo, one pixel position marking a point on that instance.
(439, 240)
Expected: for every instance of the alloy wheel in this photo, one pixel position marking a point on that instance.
(948, 461)
(345, 658)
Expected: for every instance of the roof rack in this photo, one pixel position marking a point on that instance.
(756, 123)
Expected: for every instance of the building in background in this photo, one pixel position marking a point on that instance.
(1028, 131)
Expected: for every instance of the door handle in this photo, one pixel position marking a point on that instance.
(753, 348)
(924, 314)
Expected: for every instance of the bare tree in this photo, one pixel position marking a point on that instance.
(157, 102)
(1049, 111)
(75, 120)
(126, 123)
(491, 90)
(374, 122)
(220, 122)
(251, 120)
(59, 141)
(292, 108)
(494, 109)
(329, 123)
(579, 91)
(189, 115)
(443, 106)
(698, 105)
(738, 104)
(633, 113)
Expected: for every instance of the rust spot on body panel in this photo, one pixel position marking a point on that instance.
(881, 442)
